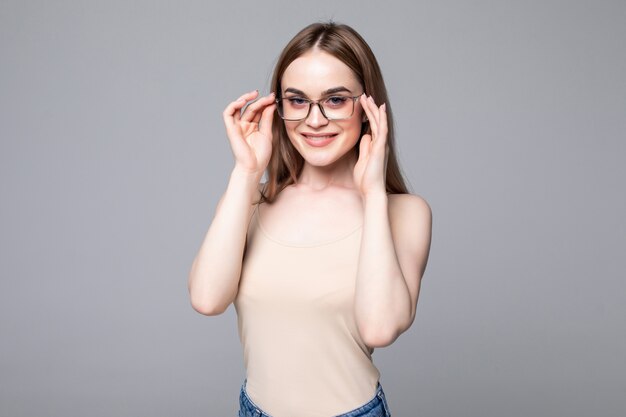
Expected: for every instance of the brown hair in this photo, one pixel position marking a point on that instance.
(347, 45)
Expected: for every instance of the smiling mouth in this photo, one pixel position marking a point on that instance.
(319, 137)
(319, 140)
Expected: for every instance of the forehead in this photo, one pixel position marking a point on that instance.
(317, 71)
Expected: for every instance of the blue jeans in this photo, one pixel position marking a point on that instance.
(376, 407)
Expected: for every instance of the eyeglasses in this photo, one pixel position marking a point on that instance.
(333, 108)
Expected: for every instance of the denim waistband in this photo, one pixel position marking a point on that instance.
(378, 403)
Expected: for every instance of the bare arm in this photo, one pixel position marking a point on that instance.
(395, 243)
(394, 252)
(214, 276)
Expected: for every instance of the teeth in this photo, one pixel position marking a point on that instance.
(320, 137)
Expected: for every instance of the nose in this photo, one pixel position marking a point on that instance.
(315, 117)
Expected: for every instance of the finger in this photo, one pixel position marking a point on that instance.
(374, 109)
(364, 147)
(252, 113)
(268, 101)
(370, 115)
(266, 120)
(382, 125)
(231, 112)
(240, 102)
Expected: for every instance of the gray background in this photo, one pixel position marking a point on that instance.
(511, 123)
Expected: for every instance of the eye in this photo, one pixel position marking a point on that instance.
(336, 101)
(297, 101)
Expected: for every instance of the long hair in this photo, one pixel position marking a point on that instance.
(345, 44)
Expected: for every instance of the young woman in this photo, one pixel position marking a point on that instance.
(323, 262)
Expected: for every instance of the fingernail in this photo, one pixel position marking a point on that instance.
(384, 106)
(272, 94)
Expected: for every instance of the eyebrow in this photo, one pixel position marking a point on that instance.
(324, 93)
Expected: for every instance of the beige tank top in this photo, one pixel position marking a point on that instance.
(302, 351)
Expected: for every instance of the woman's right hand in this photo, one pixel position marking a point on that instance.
(250, 133)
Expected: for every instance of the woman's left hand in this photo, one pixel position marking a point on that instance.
(371, 168)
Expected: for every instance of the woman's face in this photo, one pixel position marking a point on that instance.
(320, 141)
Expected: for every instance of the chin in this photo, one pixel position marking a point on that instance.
(324, 159)
(319, 161)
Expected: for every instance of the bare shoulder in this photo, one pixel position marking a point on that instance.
(408, 209)
(410, 217)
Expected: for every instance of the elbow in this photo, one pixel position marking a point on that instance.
(383, 335)
(207, 309)
(205, 305)
(378, 338)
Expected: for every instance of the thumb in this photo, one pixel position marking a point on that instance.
(266, 120)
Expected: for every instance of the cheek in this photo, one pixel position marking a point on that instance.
(354, 129)
(290, 127)
(292, 134)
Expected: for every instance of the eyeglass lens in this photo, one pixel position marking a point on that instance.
(296, 108)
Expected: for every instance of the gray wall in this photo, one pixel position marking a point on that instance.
(511, 123)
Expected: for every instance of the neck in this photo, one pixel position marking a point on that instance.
(338, 174)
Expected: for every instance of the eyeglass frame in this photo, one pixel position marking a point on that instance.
(319, 105)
